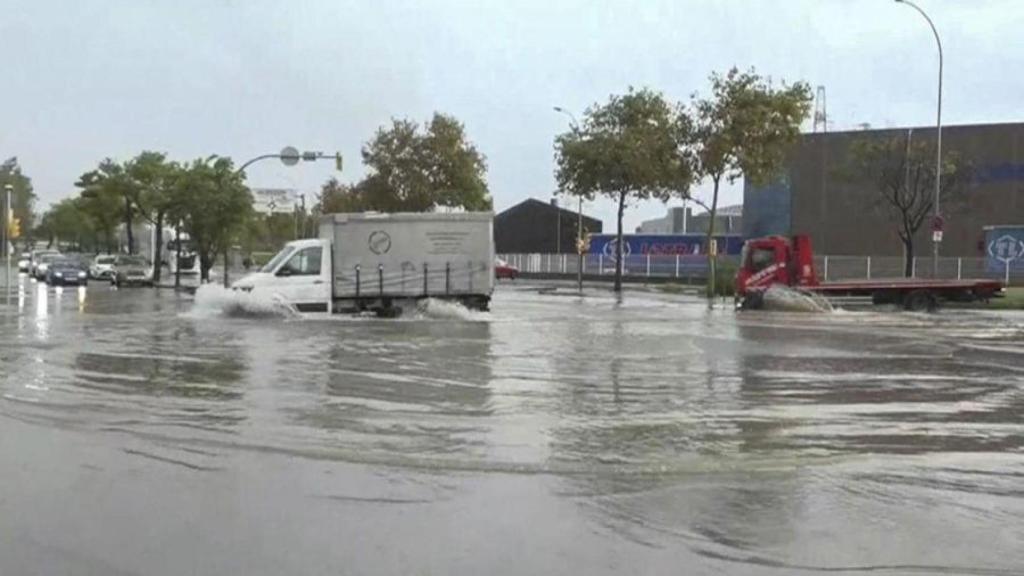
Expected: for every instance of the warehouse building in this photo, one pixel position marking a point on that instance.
(682, 220)
(845, 217)
(537, 227)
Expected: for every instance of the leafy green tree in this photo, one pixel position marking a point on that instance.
(22, 197)
(418, 171)
(109, 185)
(630, 148)
(102, 203)
(67, 223)
(151, 176)
(903, 175)
(339, 197)
(745, 128)
(212, 203)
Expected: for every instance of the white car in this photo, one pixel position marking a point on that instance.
(102, 267)
(25, 262)
(40, 261)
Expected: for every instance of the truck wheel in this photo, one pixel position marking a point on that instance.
(753, 301)
(920, 301)
(388, 311)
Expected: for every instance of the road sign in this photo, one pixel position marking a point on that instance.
(938, 224)
(1006, 248)
(290, 156)
(937, 236)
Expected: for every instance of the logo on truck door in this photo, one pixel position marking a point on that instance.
(379, 242)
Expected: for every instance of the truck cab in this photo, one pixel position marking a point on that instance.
(775, 260)
(299, 275)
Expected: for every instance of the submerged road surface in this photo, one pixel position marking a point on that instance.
(144, 432)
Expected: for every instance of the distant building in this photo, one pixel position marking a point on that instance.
(680, 220)
(535, 226)
(846, 217)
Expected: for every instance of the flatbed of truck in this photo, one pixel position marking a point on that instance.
(905, 285)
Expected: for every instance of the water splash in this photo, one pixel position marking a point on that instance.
(213, 300)
(434, 309)
(779, 297)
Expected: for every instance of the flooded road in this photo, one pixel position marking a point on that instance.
(145, 432)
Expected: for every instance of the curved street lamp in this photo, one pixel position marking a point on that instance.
(579, 213)
(938, 140)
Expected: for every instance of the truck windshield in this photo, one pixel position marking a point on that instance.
(277, 259)
(761, 258)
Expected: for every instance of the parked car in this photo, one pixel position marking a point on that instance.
(24, 262)
(503, 269)
(67, 270)
(41, 261)
(131, 270)
(102, 267)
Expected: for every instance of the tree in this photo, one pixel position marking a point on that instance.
(210, 200)
(632, 147)
(745, 129)
(111, 183)
(338, 197)
(103, 209)
(67, 222)
(150, 176)
(418, 171)
(22, 197)
(903, 175)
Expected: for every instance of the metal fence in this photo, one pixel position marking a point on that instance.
(690, 266)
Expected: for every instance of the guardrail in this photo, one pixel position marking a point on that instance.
(695, 266)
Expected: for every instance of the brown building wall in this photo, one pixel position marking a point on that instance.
(846, 218)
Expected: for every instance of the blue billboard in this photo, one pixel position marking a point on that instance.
(664, 244)
(1004, 250)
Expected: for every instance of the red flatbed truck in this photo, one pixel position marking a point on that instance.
(789, 261)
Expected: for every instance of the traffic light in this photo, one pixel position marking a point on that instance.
(583, 244)
(14, 231)
(337, 161)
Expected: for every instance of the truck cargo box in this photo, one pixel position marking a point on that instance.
(411, 255)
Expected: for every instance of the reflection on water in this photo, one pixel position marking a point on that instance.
(759, 443)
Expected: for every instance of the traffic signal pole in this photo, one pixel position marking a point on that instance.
(7, 248)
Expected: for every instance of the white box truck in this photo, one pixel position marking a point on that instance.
(376, 262)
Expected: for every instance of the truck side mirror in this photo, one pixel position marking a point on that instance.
(284, 271)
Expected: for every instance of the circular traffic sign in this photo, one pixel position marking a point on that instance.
(290, 156)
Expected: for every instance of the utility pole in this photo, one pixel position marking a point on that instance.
(937, 223)
(579, 211)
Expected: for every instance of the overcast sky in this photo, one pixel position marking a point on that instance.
(86, 79)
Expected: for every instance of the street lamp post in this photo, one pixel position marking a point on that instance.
(7, 240)
(289, 156)
(579, 213)
(936, 238)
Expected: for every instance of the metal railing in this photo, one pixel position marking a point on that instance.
(833, 268)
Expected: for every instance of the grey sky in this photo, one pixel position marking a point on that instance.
(89, 79)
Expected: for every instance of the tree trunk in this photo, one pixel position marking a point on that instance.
(618, 244)
(128, 224)
(177, 256)
(158, 247)
(205, 263)
(226, 265)
(908, 256)
(712, 254)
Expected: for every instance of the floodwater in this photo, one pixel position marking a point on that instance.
(145, 432)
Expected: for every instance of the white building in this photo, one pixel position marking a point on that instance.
(682, 220)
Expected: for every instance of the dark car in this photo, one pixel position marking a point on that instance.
(131, 270)
(65, 270)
